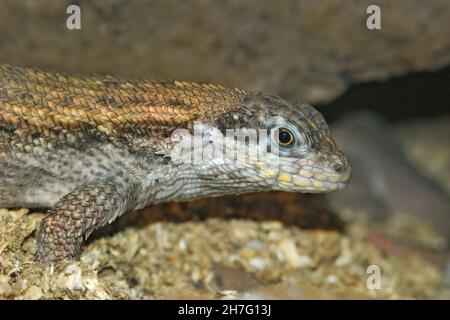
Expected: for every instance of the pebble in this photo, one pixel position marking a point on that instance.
(258, 263)
(272, 225)
(247, 253)
(342, 261)
(5, 288)
(228, 295)
(71, 278)
(332, 279)
(255, 245)
(182, 245)
(293, 258)
(33, 293)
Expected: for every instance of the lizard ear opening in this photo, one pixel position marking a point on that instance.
(316, 115)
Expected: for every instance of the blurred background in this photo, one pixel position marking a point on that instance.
(385, 93)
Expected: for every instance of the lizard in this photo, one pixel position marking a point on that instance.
(92, 147)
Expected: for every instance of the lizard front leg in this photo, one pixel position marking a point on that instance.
(75, 216)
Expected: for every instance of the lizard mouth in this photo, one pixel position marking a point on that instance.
(311, 180)
(287, 182)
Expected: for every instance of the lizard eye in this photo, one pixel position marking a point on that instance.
(285, 137)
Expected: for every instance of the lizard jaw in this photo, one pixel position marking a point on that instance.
(303, 176)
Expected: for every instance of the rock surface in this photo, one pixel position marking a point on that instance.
(305, 50)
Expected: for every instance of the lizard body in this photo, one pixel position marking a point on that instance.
(93, 147)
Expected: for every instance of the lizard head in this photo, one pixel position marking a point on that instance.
(298, 155)
(267, 143)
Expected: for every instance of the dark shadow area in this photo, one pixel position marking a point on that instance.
(305, 211)
(416, 95)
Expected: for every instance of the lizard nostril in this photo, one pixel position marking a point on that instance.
(339, 168)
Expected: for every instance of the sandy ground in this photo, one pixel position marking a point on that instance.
(216, 258)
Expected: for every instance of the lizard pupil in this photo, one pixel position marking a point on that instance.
(285, 137)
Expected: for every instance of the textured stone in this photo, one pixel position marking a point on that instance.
(308, 50)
